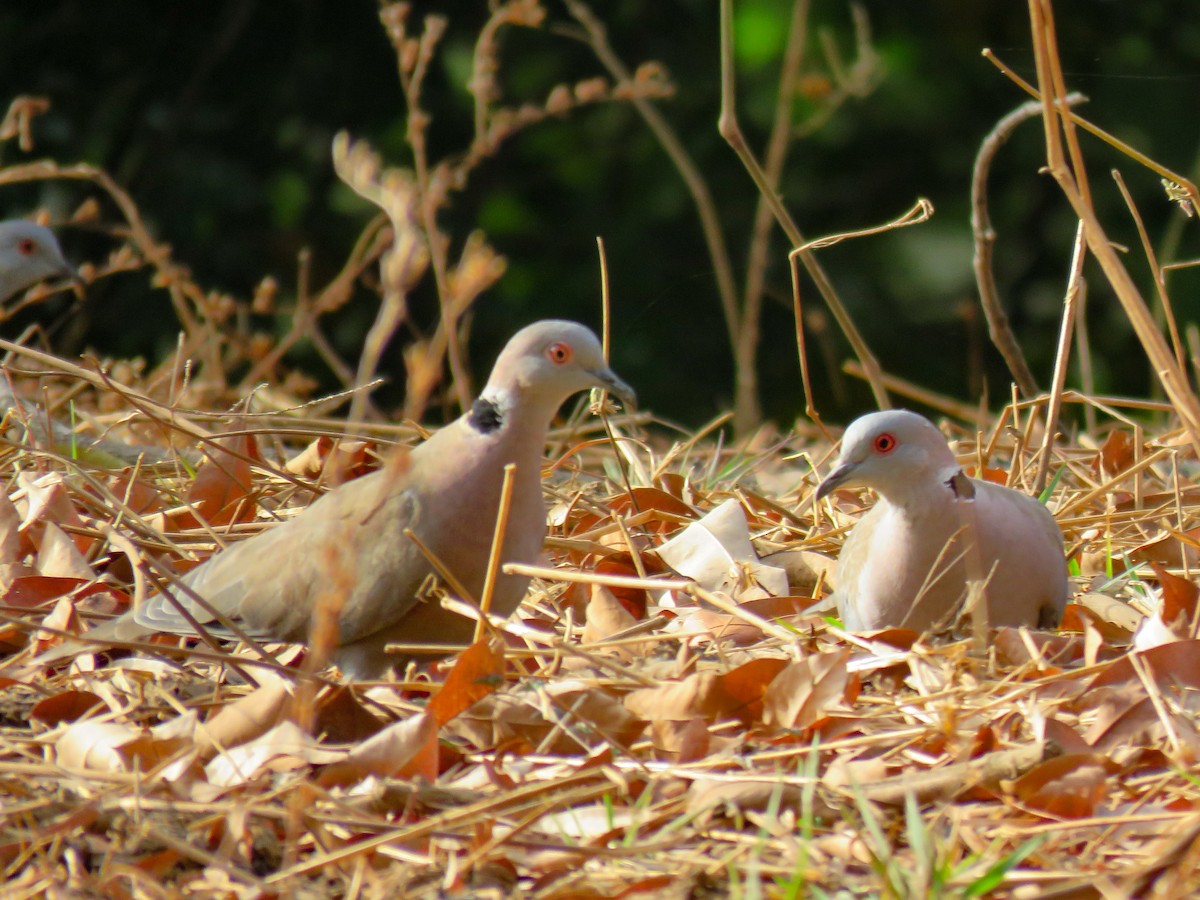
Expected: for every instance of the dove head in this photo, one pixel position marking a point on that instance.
(897, 453)
(28, 254)
(545, 363)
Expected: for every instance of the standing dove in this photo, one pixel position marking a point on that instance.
(907, 561)
(28, 254)
(351, 541)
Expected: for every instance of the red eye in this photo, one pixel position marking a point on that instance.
(559, 353)
(883, 443)
(26, 246)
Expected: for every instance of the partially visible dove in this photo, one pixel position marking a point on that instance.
(351, 542)
(907, 561)
(29, 253)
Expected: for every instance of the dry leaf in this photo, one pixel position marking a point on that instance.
(606, 616)
(700, 694)
(747, 685)
(342, 718)
(1115, 456)
(402, 750)
(322, 459)
(59, 557)
(11, 551)
(800, 694)
(245, 719)
(283, 747)
(65, 706)
(220, 492)
(716, 553)
(477, 673)
(112, 747)
(1067, 787)
(1178, 599)
(680, 742)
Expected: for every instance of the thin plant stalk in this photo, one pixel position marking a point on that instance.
(730, 130)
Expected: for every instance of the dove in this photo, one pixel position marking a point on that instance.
(29, 253)
(907, 561)
(349, 546)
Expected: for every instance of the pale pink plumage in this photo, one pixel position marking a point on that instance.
(352, 539)
(907, 561)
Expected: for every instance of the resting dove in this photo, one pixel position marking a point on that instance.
(907, 561)
(448, 494)
(29, 253)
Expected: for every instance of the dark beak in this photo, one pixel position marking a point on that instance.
(835, 479)
(72, 275)
(610, 382)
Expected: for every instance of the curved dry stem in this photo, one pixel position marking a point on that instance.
(999, 329)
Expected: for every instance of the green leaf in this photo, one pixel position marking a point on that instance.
(991, 879)
(759, 32)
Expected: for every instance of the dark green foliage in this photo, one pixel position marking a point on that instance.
(218, 118)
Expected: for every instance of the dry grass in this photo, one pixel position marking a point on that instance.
(763, 752)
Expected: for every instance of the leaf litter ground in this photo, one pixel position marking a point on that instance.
(670, 713)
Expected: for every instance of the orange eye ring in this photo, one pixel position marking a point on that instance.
(884, 444)
(26, 246)
(559, 353)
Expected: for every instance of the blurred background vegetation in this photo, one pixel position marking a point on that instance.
(218, 118)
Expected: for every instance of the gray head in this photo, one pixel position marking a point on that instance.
(890, 451)
(545, 363)
(29, 253)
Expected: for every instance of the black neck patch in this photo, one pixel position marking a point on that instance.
(961, 485)
(485, 416)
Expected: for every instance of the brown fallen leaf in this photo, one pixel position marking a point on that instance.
(65, 706)
(47, 500)
(852, 773)
(246, 718)
(404, 749)
(59, 557)
(747, 684)
(284, 746)
(699, 694)
(30, 591)
(136, 493)
(606, 616)
(342, 718)
(112, 747)
(335, 464)
(1067, 787)
(805, 568)
(1178, 600)
(1116, 619)
(11, 544)
(221, 491)
(1018, 646)
(62, 618)
(1173, 550)
(1142, 725)
(1173, 666)
(680, 742)
(1115, 454)
(799, 695)
(563, 712)
(477, 673)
